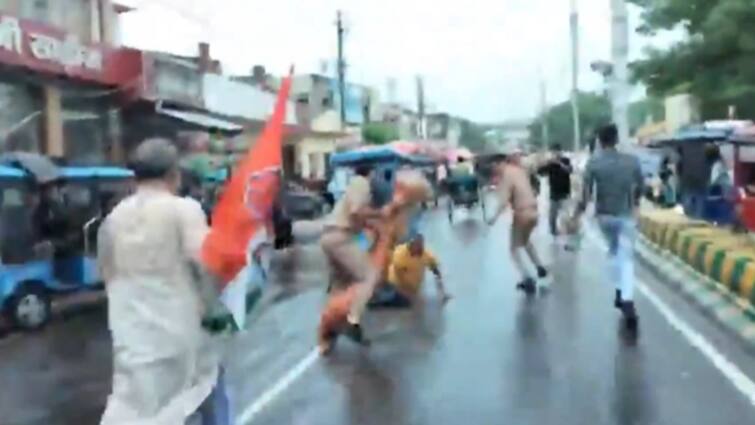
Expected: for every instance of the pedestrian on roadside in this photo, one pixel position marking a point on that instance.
(349, 263)
(558, 170)
(164, 366)
(516, 191)
(615, 179)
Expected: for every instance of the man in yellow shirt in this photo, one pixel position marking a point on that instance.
(407, 273)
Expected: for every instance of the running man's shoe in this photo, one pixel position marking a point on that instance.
(327, 343)
(528, 286)
(353, 331)
(542, 272)
(630, 315)
(544, 278)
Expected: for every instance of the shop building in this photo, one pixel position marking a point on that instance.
(62, 90)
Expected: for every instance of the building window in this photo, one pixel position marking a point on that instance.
(326, 159)
(21, 118)
(85, 134)
(37, 10)
(314, 166)
(75, 17)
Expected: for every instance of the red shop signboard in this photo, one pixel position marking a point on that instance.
(50, 50)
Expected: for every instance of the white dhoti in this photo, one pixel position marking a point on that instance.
(164, 362)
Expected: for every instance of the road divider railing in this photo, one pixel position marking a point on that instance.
(717, 253)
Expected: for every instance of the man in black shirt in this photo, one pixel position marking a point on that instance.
(558, 170)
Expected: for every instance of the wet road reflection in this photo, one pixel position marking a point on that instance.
(489, 356)
(498, 357)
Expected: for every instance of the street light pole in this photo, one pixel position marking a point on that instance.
(341, 71)
(544, 114)
(574, 22)
(619, 58)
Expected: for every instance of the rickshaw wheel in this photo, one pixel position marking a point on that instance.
(30, 306)
(481, 194)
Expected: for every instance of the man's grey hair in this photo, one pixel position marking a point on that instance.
(154, 159)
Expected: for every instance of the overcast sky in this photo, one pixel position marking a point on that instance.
(479, 58)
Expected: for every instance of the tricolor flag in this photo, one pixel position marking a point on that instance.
(242, 218)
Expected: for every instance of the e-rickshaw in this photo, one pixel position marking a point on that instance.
(386, 162)
(49, 233)
(468, 190)
(742, 144)
(691, 144)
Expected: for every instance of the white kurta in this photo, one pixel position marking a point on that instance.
(164, 366)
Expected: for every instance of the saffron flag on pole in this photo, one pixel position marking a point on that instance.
(243, 215)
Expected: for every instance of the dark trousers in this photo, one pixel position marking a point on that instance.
(388, 297)
(555, 209)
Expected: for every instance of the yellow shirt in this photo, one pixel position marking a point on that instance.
(406, 271)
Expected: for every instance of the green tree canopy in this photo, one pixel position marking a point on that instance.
(376, 133)
(640, 111)
(472, 136)
(716, 61)
(594, 111)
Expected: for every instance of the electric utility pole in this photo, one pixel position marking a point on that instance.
(421, 108)
(544, 114)
(619, 57)
(341, 71)
(574, 22)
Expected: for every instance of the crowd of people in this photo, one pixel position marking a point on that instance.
(613, 179)
(167, 367)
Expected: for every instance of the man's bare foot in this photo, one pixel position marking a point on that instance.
(325, 348)
(327, 344)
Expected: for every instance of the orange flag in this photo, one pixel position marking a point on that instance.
(245, 207)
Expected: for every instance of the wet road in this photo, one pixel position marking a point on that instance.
(489, 357)
(493, 357)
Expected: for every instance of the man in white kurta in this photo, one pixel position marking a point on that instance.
(149, 250)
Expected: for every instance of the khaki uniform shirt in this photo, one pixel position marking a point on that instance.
(357, 196)
(515, 189)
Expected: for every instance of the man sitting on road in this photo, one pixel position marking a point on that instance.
(406, 274)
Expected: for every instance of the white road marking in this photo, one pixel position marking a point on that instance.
(728, 369)
(293, 374)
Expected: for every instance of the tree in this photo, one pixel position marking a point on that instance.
(594, 112)
(376, 133)
(472, 136)
(716, 61)
(640, 111)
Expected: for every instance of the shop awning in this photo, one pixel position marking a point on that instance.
(200, 119)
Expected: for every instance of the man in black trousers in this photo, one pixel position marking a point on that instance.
(558, 170)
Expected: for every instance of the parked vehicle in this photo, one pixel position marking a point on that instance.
(464, 191)
(384, 161)
(299, 203)
(691, 145)
(49, 234)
